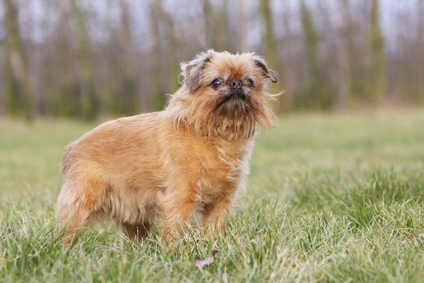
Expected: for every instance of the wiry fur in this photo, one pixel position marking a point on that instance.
(192, 156)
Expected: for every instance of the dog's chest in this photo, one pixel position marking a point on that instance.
(222, 166)
(207, 169)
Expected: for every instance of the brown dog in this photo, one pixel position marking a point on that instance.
(192, 156)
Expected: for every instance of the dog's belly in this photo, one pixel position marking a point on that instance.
(129, 203)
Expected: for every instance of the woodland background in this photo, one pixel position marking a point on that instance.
(81, 59)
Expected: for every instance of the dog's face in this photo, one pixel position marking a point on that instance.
(225, 94)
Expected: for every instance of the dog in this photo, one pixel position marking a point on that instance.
(190, 157)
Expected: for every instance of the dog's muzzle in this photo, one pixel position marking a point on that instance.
(236, 90)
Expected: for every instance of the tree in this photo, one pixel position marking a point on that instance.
(377, 59)
(270, 45)
(317, 94)
(125, 98)
(19, 101)
(84, 69)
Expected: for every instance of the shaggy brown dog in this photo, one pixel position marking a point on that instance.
(192, 156)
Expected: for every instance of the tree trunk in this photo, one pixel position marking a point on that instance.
(376, 45)
(270, 49)
(19, 100)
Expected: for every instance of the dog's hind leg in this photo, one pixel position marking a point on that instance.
(73, 222)
(77, 203)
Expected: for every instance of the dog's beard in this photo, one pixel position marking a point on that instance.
(228, 115)
(233, 116)
(234, 99)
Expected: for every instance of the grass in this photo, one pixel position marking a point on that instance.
(331, 198)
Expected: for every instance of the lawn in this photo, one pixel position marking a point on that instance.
(330, 198)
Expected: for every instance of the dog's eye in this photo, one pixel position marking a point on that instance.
(216, 83)
(248, 82)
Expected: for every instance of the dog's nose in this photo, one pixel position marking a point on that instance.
(235, 84)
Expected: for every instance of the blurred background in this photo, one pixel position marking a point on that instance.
(80, 59)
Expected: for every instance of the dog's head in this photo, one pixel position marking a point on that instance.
(224, 94)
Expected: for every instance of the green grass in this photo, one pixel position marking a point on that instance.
(331, 198)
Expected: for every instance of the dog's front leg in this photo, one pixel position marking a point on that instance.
(215, 214)
(176, 211)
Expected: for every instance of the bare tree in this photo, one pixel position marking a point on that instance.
(377, 60)
(342, 52)
(269, 44)
(19, 100)
(317, 93)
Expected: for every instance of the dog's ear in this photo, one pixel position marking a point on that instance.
(268, 73)
(192, 71)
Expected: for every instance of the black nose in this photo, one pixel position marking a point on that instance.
(235, 84)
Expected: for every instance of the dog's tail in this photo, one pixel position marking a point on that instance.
(66, 159)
